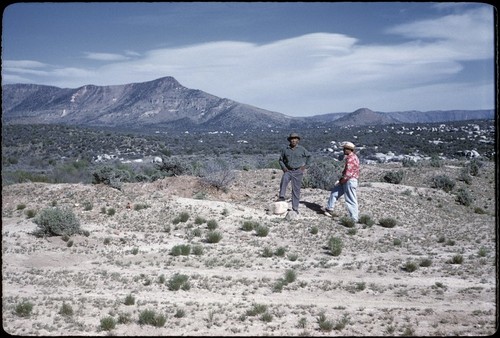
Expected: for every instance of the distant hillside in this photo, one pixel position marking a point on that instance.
(164, 103)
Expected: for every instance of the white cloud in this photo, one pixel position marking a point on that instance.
(105, 56)
(314, 73)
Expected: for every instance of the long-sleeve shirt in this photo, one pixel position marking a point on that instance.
(293, 158)
(351, 168)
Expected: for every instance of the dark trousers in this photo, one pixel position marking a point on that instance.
(296, 177)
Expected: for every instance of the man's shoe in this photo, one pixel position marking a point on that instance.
(281, 199)
(329, 212)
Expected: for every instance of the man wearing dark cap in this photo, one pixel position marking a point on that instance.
(347, 184)
(294, 160)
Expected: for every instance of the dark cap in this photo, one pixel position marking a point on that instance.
(293, 135)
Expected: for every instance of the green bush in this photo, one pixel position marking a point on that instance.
(178, 281)
(182, 249)
(129, 300)
(57, 222)
(249, 225)
(212, 224)
(347, 222)
(443, 182)
(213, 237)
(149, 317)
(24, 309)
(108, 323)
(262, 231)
(66, 310)
(366, 219)
(111, 176)
(394, 177)
(387, 222)
(335, 245)
(410, 266)
(464, 197)
(322, 174)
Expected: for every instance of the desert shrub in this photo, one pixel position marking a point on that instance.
(249, 225)
(340, 325)
(464, 176)
(182, 249)
(140, 206)
(124, 318)
(129, 300)
(347, 222)
(335, 245)
(87, 206)
(262, 231)
(24, 309)
(150, 317)
(443, 182)
(267, 252)
(111, 211)
(280, 252)
(108, 323)
(435, 161)
(180, 313)
(293, 257)
(366, 219)
(464, 197)
(66, 310)
(324, 323)
(21, 206)
(218, 174)
(482, 252)
(256, 309)
(322, 174)
(30, 213)
(457, 259)
(213, 237)
(212, 224)
(290, 276)
(479, 210)
(473, 167)
(199, 220)
(408, 162)
(394, 177)
(314, 230)
(197, 250)
(387, 222)
(266, 317)
(178, 281)
(57, 222)
(173, 167)
(410, 266)
(426, 262)
(184, 216)
(111, 176)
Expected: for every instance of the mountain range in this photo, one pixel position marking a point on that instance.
(165, 103)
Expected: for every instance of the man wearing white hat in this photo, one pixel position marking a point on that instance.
(347, 184)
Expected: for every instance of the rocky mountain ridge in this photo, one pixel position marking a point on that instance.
(164, 102)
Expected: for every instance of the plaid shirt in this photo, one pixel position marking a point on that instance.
(351, 168)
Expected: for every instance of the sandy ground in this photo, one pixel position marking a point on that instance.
(367, 290)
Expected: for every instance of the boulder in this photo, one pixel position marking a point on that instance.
(279, 208)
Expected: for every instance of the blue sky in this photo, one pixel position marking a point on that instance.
(296, 58)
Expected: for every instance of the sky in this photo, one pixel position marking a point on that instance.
(295, 58)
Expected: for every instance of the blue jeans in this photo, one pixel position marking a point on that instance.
(296, 177)
(347, 189)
